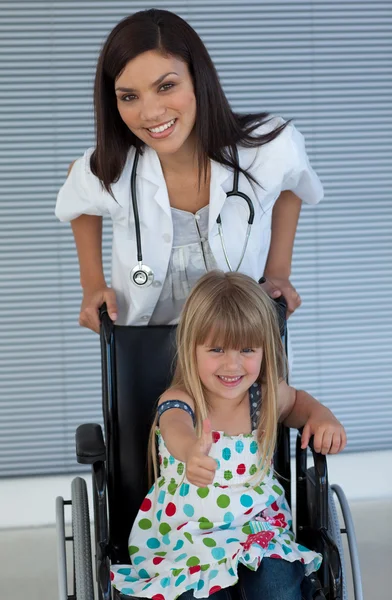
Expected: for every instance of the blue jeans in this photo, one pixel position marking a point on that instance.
(275, 579)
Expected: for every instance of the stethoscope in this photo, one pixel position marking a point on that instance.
(142, 275)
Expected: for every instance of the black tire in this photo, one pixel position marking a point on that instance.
(333, 523)
(84, 586)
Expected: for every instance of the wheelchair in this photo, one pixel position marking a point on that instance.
(131, 385)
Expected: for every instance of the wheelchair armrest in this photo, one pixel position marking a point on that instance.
(90, 446)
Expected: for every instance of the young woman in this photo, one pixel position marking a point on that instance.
(167, 153)
(217, 508)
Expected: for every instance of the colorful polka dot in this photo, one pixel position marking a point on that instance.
(159, 515)
(180, 558)
(143, 574)
(164, 528)
(188, 510)
(138, 559)
(153, 543)
(228, 475)
(203, 492)
(246, 500)
(161, 497)
(146, 505)
(170, 509)
(193, 561)
(239, 446)
(226, 453)
(228, 517)
(215, 588)
(212, 574)
(204, 523)
(132, 550)
(180, 580)
(209, 542)
(184, 489)
(180, 468)
(178, 546)
(145, 524)
(253, 447)
(215, 436)
(223, 501)
(188, 537)
(241, 469)
(218, 553)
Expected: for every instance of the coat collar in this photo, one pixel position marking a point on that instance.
(149, 168)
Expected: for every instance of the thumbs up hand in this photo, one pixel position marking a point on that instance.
(200, 467)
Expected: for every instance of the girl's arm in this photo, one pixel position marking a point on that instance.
(299, 409)
(180, 438)
(277, 270)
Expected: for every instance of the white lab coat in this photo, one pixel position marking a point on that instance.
(280, 165)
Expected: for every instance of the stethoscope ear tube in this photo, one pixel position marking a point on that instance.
(142, 275)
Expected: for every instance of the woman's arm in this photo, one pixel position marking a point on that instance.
(87, 231)
(277, 270)
(299, 409)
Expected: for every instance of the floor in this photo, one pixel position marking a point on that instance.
(28, 562)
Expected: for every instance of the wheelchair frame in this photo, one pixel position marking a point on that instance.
(317, 522)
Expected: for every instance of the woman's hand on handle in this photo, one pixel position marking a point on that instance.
(92, 300)
(200, 467)
(278, 286)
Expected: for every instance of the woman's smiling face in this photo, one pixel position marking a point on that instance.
(156, 100)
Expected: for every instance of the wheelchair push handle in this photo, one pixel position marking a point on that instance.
(107, 325)
(281, 308)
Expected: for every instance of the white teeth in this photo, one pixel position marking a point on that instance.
(230, 379)
(162, 127)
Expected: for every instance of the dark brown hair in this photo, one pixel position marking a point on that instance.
(218, 129)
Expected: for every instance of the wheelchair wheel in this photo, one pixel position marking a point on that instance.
(83, 573)
(334, 530)
(335, 533)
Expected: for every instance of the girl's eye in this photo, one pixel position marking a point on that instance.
(217, 350)
(247, 350)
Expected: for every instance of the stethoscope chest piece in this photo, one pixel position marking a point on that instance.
(141, 275)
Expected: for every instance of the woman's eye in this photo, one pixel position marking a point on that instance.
(128, 98)
(166, 86)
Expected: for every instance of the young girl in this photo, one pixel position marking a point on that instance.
(217, 507)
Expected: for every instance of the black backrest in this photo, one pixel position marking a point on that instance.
(137, 367)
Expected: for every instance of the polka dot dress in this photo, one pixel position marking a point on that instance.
(190, 538)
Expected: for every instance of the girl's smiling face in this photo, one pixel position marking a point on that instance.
(156, 100)
(228, 373)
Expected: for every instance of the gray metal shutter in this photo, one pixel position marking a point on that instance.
(327, 65)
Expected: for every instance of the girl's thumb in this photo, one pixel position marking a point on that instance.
(206, 437)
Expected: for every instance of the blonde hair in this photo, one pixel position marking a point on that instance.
(230, 310)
